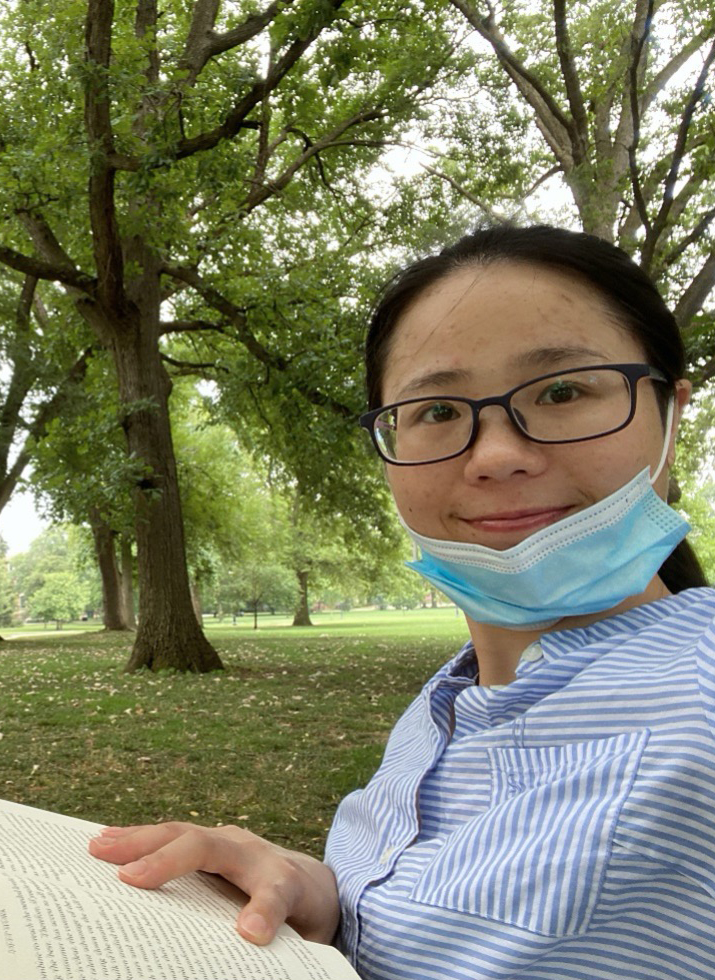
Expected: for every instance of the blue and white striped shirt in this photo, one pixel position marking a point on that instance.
(560, 828)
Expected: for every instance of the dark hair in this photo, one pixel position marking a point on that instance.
(627, 289)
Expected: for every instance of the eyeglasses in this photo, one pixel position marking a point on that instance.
(563, 406)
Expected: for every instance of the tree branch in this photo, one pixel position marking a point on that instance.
(261, 193)
(637, 62)
(47, 270)
(197, 49)
(44, 239)
(674, 65)
(482, 205)
(602, 114)
(186, 368)
(265, 150)
(23, 373)
(551, 120)
(202, 43)
(38, 427)
(97, 115)
(236, 118)
(571, 80)
(695, 235)
(9, 481)
(698, 290)
(547, 175)
(190, 326)
(145, 24)
(681, 200)
(661, 220)
(236, 316)
(30, 55)
(27, 298)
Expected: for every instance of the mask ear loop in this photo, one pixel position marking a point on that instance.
(666, 443)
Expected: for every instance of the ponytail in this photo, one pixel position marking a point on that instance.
(682, 570)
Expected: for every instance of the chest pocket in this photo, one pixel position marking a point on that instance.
(537, 858)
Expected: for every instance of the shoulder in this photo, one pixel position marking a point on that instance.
(679, 620)
(682, 625)
(694, 608)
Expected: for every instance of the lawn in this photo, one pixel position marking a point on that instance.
(298, 718)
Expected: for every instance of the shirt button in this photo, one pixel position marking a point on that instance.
(532, 653)
(386, 855)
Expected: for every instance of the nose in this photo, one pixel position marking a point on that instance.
(500, 450)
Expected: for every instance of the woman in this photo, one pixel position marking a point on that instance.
(544, 808)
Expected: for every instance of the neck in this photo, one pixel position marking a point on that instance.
(499, 649)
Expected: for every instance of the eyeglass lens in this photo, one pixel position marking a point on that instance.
(575, 405)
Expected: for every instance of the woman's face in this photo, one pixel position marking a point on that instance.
(480, 332)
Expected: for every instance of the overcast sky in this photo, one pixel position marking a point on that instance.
(19, 523)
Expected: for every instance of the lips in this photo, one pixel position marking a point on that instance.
(518, 520)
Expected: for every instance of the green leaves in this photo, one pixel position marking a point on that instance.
(61, 597)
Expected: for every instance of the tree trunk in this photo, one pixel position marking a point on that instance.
(168, 635)
(125, 550)
(113, 614)
(196, 602)
(302, 612)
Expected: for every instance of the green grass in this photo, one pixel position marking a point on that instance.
(298, 718)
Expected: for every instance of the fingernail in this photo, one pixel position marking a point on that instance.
(104, 841)
(134, 869)
(111, 831)
(255, 925)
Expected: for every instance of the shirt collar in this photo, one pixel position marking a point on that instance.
(559, 643)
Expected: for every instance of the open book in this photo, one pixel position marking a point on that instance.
(66, 916)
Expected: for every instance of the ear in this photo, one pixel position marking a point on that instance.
(683, 391)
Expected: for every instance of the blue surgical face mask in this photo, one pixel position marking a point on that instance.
(585, 563)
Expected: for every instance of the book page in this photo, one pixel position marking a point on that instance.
(64, 914)
(36, 843)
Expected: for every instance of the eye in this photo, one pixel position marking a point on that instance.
(435, 412)
(559, 393)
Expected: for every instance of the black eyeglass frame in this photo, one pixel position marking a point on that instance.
(632, 372)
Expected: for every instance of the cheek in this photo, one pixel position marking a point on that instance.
(402, 489)
(416, 492)
(605, 466)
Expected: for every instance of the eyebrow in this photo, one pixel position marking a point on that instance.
(553, 356)
(434, 379)
(538, 357)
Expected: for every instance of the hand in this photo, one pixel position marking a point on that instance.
(283, 885)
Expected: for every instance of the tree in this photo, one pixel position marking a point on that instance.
(82, 475)
(176, 131)
(227, 500)
(264, 585)
(401, 587)
(43, 366)
(693, 479)
(60, 597)
(8, 599)
(58, 551)
(620, 98)
(323, 546)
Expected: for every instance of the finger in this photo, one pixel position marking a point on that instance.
(306, 898)
(121, 845)
(193, 849)
(267, 909)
